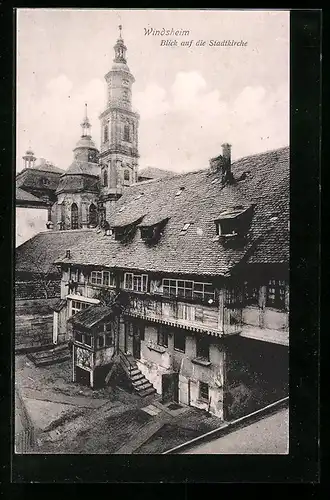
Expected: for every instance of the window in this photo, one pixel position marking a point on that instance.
(179, 341)
(109, 340)
(105, 278)
(251, 293)
(162, 336)
(188, 289)
(74, 216)
(204, 391)
(138, 283)
(100, 341)
(78, 336)
(92, 215)
(105, 177)
(227, 227)
(106, 133)
(126, 175)
(147, 233)
(88, 340)
(74, 274)
(126, 133)
(276, 294)
(232, 297)
(203, 348)
(77, 306)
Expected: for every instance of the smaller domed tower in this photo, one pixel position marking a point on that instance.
(29, 159)
(78, 189)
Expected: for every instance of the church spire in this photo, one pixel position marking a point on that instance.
(120, 49)
(85, 125)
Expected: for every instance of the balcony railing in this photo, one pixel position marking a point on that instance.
(195, 317)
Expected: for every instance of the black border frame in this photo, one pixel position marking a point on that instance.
(302, 463)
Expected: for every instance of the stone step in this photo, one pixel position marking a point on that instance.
(147, 392)
(136, 377)
(145, 385)
(134, 371)
(139, 382)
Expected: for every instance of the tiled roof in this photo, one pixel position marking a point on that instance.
(34, 178)
(155, 173)
(47, 167)
(39, 253)
(22, 195)
(261, 180)
(84, 168)
(91, 316)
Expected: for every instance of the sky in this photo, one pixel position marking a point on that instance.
(190, 99)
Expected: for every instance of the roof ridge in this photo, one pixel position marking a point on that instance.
(268, 151)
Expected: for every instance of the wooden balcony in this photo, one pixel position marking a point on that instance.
(193, 317)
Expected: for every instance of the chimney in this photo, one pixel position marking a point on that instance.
(68, 254)
(222, 164)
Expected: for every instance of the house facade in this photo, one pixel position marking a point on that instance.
(200, 265)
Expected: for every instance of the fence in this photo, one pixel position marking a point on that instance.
(24, 437)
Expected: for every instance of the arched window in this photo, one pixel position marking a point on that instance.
(106, 133)
(126, 133)
(126, 175)
(105, 177)
(74, 216)
(92, 215)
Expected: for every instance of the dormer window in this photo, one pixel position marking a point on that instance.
(233, 222)
(147, 233)
(152, 232)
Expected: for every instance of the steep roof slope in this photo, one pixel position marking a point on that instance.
(155, 173)
(38, 254)
(261, 180)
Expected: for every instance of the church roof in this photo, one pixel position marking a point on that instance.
(83, 168)
(46, 166)
(155, 173)
(22, 195)
(197, 198)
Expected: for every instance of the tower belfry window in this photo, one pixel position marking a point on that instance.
(105, 178)
(106, 133)
(126, 175)
(126, 133)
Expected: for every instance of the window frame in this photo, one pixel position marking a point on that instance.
(162, 336)
(201, 344)
(138, 282)
(74, 216)
(278, 300)
(251, 293)
(98, 278)
(188, 287)
(179, 335)
(202, 386)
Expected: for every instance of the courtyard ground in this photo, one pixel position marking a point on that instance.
(71, 418)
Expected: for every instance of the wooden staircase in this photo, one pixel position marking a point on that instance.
(138, 381)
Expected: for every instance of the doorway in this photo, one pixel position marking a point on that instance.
(170, 387)
(136, 342)
(82, 376)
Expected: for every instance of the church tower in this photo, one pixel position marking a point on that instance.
(119, 130)
(78, 188)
